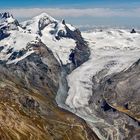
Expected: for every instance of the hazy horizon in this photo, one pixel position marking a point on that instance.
(112, 13)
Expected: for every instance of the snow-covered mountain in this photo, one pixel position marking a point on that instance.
(56, 35)
(7, 22)
(55, 27)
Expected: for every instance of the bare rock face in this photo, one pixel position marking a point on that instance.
(3, 34)
(40, 69)
(82, 52)
(133, 31)
(7, 23)
(122, 93)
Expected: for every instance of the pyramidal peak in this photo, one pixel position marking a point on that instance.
(45, 22)
(5, 15)
(8, 22)
(44, 16)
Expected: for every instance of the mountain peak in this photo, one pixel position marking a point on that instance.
(63, 21)
(8, 22)
(5, 15)
(44, 16)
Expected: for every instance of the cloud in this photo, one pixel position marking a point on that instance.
(71, 12)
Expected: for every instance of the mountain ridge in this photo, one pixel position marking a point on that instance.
(29, 80)
(42, 28)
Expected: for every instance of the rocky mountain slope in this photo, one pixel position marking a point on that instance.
(32, 55)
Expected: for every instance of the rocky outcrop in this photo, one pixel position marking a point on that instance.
(82, 51)
(122, 92)
(133, 31)
(5, 15)
(7, 22)
(3, 34)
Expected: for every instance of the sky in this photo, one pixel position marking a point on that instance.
(82, 13)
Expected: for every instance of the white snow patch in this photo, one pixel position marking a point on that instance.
(21, 58)
(10, 20)
(61, 48)
(72, 28)
(38, 21)
(17, 41)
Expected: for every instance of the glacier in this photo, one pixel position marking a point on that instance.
(112, 51)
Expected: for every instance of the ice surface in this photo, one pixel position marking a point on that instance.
(115, 50)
